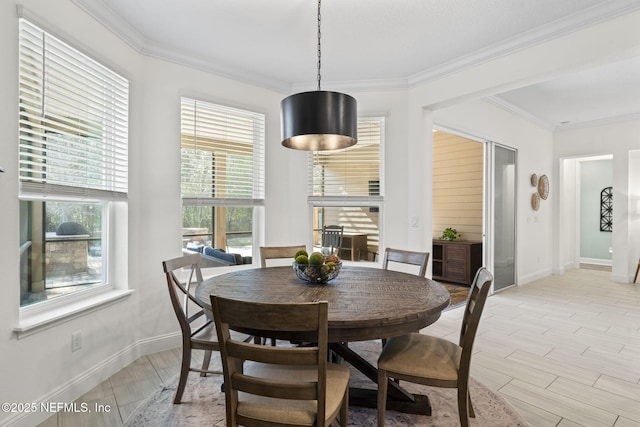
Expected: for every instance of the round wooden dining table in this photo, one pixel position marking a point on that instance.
(364, 304)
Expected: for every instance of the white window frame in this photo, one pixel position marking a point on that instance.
(73, 89)
(210, 127)
(360, 199)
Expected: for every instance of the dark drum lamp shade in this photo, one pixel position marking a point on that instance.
(319, 120)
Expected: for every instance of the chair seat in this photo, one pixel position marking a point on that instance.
(295, 412)
(422, 356)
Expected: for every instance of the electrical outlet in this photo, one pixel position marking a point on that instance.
(76, 341)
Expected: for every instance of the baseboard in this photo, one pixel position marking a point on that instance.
(595, 261)
(81, 384)
(523, 280)
(621, 279)
(160, 343)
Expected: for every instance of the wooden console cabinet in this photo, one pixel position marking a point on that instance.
(456, 261)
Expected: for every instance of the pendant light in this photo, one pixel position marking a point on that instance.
(319, 120)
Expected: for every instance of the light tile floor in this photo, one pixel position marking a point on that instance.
(564, 350)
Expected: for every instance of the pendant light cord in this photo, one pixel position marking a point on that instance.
(319, 48)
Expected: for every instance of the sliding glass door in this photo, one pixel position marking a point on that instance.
(501, 206)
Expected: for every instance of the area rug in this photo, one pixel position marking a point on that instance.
(203, 403)
(458, 294)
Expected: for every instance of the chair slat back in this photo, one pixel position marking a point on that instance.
(304, 317)
(332, 236)
(472, 313)
(278, 252)
(180, 291)
(406, 257)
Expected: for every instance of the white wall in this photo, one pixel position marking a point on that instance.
(590, 46)
(634, 209)
(393, 106)
(42, 366)
(622, 140)
(533, 144)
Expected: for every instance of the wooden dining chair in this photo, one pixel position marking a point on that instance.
(406, 257)
(332, 238)
(280, 386)
(434, 361)
(198, 332)
(278, 252)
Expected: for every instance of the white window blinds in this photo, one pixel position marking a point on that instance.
(222, 155)
(73, 121)
(351, 173)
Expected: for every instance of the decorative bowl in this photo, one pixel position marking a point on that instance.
(317, 273)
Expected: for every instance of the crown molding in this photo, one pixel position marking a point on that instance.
(517, 111)
(598, 122)
(242, 76)
(354, 85)
(525, 40)
(114, 22)
(102, 13)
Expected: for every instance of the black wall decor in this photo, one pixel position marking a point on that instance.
(606, 209)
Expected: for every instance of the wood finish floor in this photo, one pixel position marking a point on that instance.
(564, 350)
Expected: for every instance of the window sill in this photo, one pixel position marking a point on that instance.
(33, 323)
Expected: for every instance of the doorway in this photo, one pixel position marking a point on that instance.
(586, 233)
(474, 191)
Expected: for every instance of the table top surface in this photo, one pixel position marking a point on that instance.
(364, 303)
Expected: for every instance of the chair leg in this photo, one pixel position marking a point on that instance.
(205, 362)
(344, 410)
(472, 413)
(463, 406)
(384, 342)
(184, 373)
(637, 270)
(382, 396)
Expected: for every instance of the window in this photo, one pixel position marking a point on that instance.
(222, 178)
(346, 188)
(73, 166)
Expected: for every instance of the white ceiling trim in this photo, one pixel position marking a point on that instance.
(599, 122)
(105, 15)
(112, 21)
(544, 33)
(518, 112)
(231, 73)
(523, 114)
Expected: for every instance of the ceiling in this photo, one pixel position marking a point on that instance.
(382, 43)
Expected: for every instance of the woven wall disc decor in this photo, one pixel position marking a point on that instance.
(534, 179)
(543, 187)
(535, 201)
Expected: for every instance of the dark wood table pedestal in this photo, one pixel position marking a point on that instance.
(398, 399)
